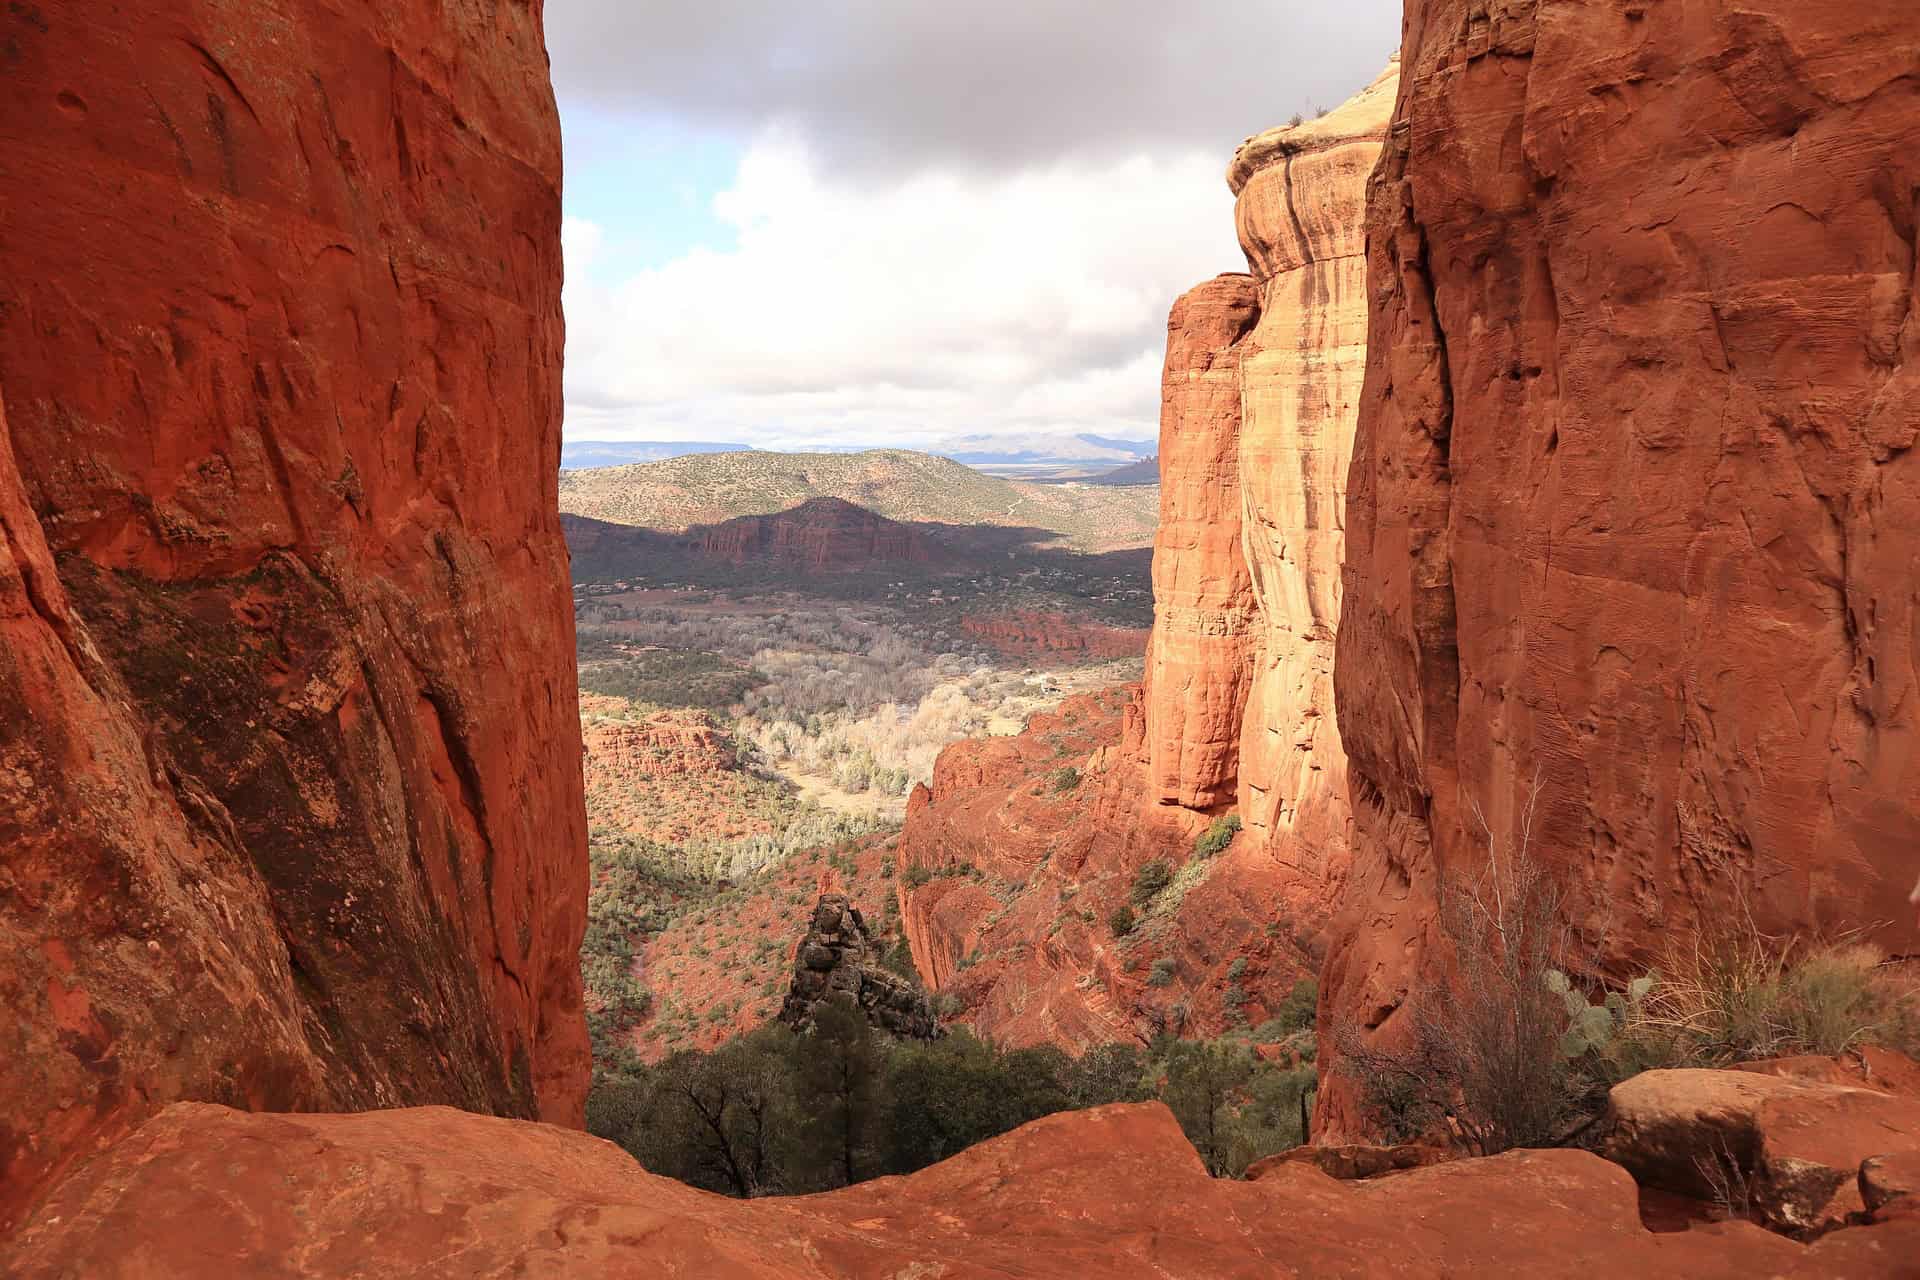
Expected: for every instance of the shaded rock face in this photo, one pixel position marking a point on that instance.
(1633, 499)
(821, 535)
(837, 959)
(290, 786)
(1111, 1192)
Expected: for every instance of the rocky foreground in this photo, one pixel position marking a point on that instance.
(1111, 1192)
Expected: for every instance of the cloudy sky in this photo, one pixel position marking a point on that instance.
(803, 222)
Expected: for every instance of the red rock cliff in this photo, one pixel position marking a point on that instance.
(1634, 499)
(289, 758)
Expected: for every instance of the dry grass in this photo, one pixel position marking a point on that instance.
(1743, 995)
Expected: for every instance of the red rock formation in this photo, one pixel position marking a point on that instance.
(1300, 197)
(1111, 1192)
(1633, 498)
(1031, 634)
(289, 765)
(1205, 620)
(667, 744)
(821, 535)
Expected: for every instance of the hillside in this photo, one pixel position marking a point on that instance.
(896, 483)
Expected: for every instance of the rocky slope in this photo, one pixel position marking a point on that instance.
(1014, 861)
(1633, 498)
(1111, 1192)
(289, 765)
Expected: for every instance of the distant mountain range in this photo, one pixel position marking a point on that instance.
(577, 455)
(1145, 471)
(673, 495)
(1053, 456)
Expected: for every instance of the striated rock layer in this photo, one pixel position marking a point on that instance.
(290, 788)
(1634, 500)
(1111, 1192)
(1300, 194)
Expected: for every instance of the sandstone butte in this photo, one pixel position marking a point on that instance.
(290, 789)
(1259, 399)
(1634, 505)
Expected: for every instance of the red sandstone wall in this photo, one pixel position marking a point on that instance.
(289, 760)
(1634, 504)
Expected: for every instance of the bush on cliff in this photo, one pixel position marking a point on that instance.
(1217, 836)
(1149, 880)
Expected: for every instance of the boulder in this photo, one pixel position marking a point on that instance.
(1788, 1151)
(1353, 1163)
(838, 957)
(1890, 1185)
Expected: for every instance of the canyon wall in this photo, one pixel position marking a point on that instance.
(1634, 506)
(290, 788)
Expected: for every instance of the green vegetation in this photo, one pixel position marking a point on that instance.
(1066, 778)
(1122, 920)
(1149, 880)
(1161, 974)
(1217, 836)
(1515, 1052)
(777, 1112)
(661, 677)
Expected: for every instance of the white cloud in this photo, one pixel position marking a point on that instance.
(942, 303)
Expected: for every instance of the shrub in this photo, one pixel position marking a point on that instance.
(1237, 969)
(1122, 920)
(917, 876)
(1217, 836)
(1479, 1049)
(1066, 778)
(1162, 972)
(1149, 880)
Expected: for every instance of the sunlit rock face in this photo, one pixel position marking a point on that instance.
(1631, 520)
(290, 789)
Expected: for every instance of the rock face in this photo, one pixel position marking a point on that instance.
(1633, 500)
(837, 959)
(1790, 1152)
(1027, 633)
(1205, 621)
(290, 787)
(1111, 1192)
(1014, 861)
(821, 535)
(1300, 196)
